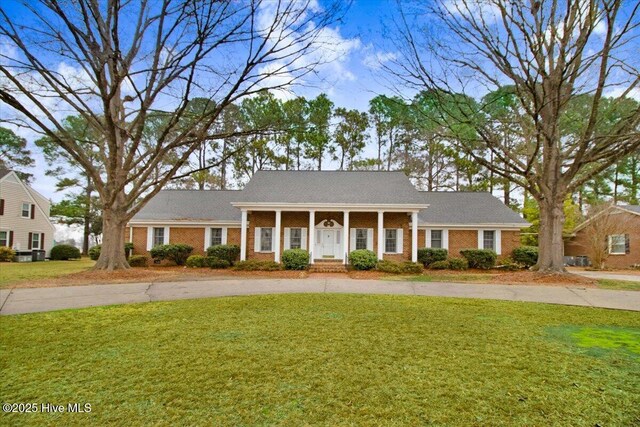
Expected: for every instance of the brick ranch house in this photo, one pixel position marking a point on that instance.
(624, 248)
(328, 213)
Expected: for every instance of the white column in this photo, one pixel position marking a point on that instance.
(414, 236)
(380, 234)
(312, 235)
(345, 237)
(276, 246)
(243, 236)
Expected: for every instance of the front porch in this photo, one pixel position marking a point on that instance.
(329, 234)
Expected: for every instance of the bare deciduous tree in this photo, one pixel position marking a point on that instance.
(604, 226)
(552, 53)
(116, 64)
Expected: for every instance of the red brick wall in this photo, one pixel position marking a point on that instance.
(398, 220)
(462, 239)
(192, 236)
(578, 245)
(139, 240)
(510, 241)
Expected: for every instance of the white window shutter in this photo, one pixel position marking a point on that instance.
(352, 239)
(498, 241)
(256, 240)
(445, 239)
(207, 237)
(400, 242)
(480, 239)
(273, 239)
(166, 236)
(149, 238)
(287, 238)
(303, 238)
(427, 234)
(224, 235)
(370, 238)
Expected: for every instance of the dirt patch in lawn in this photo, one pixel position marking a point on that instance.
(535, 278)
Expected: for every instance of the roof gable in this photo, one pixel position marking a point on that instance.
(464, 208)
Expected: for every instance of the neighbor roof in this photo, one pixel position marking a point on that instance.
(336, 187)
(4, 171)
(632, 208)
(181, 205)
(460, 208)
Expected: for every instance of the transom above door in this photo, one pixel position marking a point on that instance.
(328, 244)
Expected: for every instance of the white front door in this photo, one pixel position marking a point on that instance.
(328, 243)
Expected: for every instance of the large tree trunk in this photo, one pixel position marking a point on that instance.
(550, 242)
(112, 254)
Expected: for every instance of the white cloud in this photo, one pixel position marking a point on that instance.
(376, 60)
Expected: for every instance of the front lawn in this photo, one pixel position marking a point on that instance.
(16, 272)
(624, 285)
(326, 360)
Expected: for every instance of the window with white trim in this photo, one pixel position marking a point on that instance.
(295, 238)
(390, 240)
(4, 238)
(436, 238)
(158, 236)
(35, 240)
(617, 244)
(361, 238)
(216, 236)
(266, 239)
(489, 239)
(26, 210)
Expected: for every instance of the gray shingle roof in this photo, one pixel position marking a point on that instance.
(361, 187)
(455, 208)
(458, 208)
(632, 208)
(176, 205)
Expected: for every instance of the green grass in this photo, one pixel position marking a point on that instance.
(326, 360)
(12, 272)
(435, 277)
(619, 284)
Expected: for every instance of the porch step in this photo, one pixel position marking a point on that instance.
(327, 266)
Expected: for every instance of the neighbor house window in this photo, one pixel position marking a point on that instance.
(361, 238)
(489, 239)
(391, 240)
(295, 238)
(158, 236)
(35, 240)
(26, 210)
(216, 236)
(266, 238)
(4, 238)
(436, 238)
(617, 244)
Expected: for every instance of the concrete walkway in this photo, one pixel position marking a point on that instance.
(17, 301)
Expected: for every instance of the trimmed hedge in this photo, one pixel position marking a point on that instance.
(429, 255)
(412, 267)
(458, 264)
(177, 253)
(509, 264)
(295, 259)
(138, 261)
(483, 259)
(525, 255)
(230, 253)
(217, 263)
(94, 251)
(6, 254)
(64, 253)
(196, 261)
(388, 267)
(363, 259)
(439, 265)
(255, 265)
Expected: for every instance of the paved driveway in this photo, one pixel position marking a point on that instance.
(603, 275)
(47, 299)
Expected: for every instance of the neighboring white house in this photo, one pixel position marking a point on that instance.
(24, 216)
